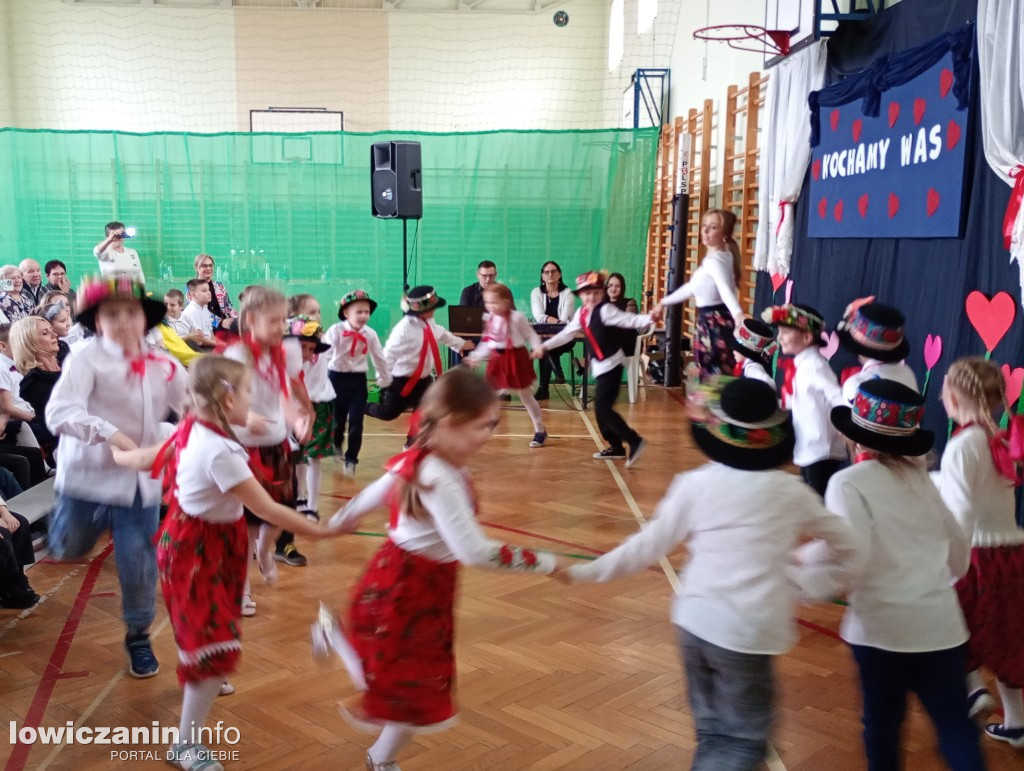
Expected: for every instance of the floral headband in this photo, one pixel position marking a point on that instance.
(792, 316)
(93, 290)
(304, 326)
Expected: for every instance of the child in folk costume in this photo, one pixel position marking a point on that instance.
(980, 468)
(503, 345)
(203, 546)
(399, 634)
(753, 344)
(736, 606)
(874, 332)
(308, 472)
(820, 451)
(114, 393)
(276, 364)
(903, 622)
(412, 353)
(600, 322)
(352, 340)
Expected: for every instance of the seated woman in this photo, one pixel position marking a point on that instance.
(224, 313)
(551, 303)
(616, 291)
(34, 345)
(12, 304)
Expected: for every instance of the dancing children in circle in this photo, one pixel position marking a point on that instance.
(503, 345)
(203, 545)
(980, 468)
(735, 610)
(903, 623)
(601, 322)
(113, 394)
(400, 623)
(714, 288)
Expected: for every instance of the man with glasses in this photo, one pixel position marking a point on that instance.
(57, 276)
(473, 295)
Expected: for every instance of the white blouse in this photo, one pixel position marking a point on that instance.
(266, 391)
(713, 283)
(209, 466)
(314, 374)
(538, 305)
(451, 532)
(502, 334)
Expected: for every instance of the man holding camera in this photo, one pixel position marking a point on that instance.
(115, 258)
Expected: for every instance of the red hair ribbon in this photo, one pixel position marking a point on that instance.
(429, 344)
(356, 339)
(277, 360)
(1013, 207)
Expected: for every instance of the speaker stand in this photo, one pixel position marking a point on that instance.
(405, 255)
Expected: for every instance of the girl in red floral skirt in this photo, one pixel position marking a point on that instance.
(398, 642)
(202, 545)
(506, 331)
(980, 468)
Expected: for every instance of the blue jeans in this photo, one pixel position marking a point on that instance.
(937, 677)
(731, 700)
(77, 524)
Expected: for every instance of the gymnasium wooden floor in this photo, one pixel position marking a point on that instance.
(551, 677)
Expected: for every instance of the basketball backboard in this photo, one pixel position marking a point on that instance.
(798, 17)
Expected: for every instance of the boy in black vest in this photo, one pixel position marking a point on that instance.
(600, 322)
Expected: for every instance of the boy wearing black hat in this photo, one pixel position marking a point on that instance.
(875, 333)
(753, 343)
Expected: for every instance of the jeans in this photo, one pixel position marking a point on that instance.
(349, 404)
(77, 524)
(937, 677)
(613, 427)
(731, 700)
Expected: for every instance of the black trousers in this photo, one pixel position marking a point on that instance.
(613, 427)
(349, 405)
(550, 363)
(26, 463)
(817, 474)
(392, 403)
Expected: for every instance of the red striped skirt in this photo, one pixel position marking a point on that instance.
(510, 369)
(202, 574)
(401, 623)
(990, 595)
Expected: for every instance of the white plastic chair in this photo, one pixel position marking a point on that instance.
(635, 375)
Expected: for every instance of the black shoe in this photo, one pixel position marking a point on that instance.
(505, 397)
(610, 453)
(140, 654)
(636, 449)
(19, 599)
(559, 376)
(289, 555)
(541, 395)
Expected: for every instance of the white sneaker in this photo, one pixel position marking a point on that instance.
(248, 606)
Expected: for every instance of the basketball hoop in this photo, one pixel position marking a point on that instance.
(744, 37)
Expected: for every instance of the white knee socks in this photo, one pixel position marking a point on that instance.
(532, 409)
(301, 493)
(975, 682)
(313, 476)
(1013, 705)
(391, 741)
(195, 707)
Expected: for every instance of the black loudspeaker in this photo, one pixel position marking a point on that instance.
(396, 180)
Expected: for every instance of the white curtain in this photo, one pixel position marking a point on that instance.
(1001, 57)
(785, 153)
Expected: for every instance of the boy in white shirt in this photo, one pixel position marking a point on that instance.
(820, 451)
(196, 313)
(174, 301)
(874, 332)
(115, 258)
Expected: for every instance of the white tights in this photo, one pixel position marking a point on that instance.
(392, 740)
(1012, 699)
(532, 409)
(195, 707)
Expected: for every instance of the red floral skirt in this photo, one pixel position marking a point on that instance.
(401, 624)
(272, 466)
(202, 573)
(990, 595)
(510, 369)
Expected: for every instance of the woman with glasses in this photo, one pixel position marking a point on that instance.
(220, 303)
(551, 303)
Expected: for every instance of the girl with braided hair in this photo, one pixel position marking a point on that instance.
(202, 546)
(980, 468)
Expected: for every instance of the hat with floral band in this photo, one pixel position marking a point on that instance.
(356, 295)
(308, 330)
(421, 299)
(592, 279)
(755, 340)
(745, 428)
(798, 316)
(885, 416)
(874, 330)
(96, 290)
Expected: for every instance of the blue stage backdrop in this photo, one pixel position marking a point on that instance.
(889, 162)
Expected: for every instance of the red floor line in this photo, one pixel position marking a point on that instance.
(819, 629)
(548, 538)
(53, 672)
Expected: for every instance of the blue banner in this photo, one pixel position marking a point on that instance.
(898, 173)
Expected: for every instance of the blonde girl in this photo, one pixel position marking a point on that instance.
(713, 286)
(980, 468)
(202, 547)
(503, 346)
(400, 623)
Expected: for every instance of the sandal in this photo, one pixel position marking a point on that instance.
(248, 606)
(192, 757)
(389, 766)
(226, 689)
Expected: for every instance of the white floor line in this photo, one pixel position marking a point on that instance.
(509, 436)
(773, 761)
(118, 676)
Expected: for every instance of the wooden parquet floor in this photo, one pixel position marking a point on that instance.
(550, 677)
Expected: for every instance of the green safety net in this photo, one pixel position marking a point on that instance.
(293, 211)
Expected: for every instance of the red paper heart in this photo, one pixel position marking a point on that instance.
(822, 207)
(777, 280)
(919, 105)
(894, 205)
(952, 135)
(833, 119)
(857, 126)
(894, 113)
(945, 81)
(816, 169)
(933, 201)
(991, 319)
(837, 211)
(1014, 382)
(862, 205)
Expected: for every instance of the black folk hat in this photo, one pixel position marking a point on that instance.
(885, 416)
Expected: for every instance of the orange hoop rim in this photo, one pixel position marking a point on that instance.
(737, 36)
